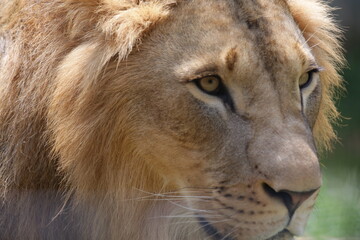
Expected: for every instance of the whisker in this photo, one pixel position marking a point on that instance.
(190, 209)
(164, 197)
(227, 235)
(304, 30)
(206, 188)
(170, 199)
(307, 40)
(186, 216)
(185, 222)
(168, 193)
(314, 46)
(234, 229)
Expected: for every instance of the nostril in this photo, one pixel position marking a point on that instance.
(296, 199)
(284, 196)
(292, 200)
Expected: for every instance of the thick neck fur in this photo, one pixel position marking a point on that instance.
(58, 184)
(40, 199)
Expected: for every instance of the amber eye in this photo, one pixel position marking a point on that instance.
(306, 79)
(210, 84)
(214, 86)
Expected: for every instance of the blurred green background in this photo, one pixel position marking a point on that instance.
(337, 215)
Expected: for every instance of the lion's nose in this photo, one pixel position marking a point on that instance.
(292, 200)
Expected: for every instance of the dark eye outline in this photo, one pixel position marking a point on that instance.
(217, 92)
(220, 92)
(310, 79)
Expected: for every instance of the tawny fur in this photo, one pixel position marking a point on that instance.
(61, 139)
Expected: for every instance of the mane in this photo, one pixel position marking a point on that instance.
(324, 37)
(54, 55)
(58, 133)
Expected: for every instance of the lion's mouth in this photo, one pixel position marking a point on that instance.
(284, 234)
(216, 235)
(212, 231)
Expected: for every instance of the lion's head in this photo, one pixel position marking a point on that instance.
(164, 119)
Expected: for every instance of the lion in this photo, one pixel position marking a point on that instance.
(164, 119)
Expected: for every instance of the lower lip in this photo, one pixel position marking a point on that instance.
(216, 235)
(284, 234)
(211, 231)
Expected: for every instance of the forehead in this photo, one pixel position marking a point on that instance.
(258, 29)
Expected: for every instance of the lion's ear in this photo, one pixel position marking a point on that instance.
(120, 25)
(117, 26)
(324, 38)
(123, 24)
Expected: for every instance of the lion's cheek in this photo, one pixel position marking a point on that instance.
(178, 163)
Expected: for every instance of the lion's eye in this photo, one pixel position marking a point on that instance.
(213, 85)
(306, 79)
(210, 84)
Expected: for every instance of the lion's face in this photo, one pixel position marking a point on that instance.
(230, 118)
(164, 119)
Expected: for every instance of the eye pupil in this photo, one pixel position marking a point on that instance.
(213, 86)
(306, 79)
(209, 84)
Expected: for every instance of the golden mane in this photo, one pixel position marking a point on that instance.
(52, 56)
(55, 132)
(324, 36)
